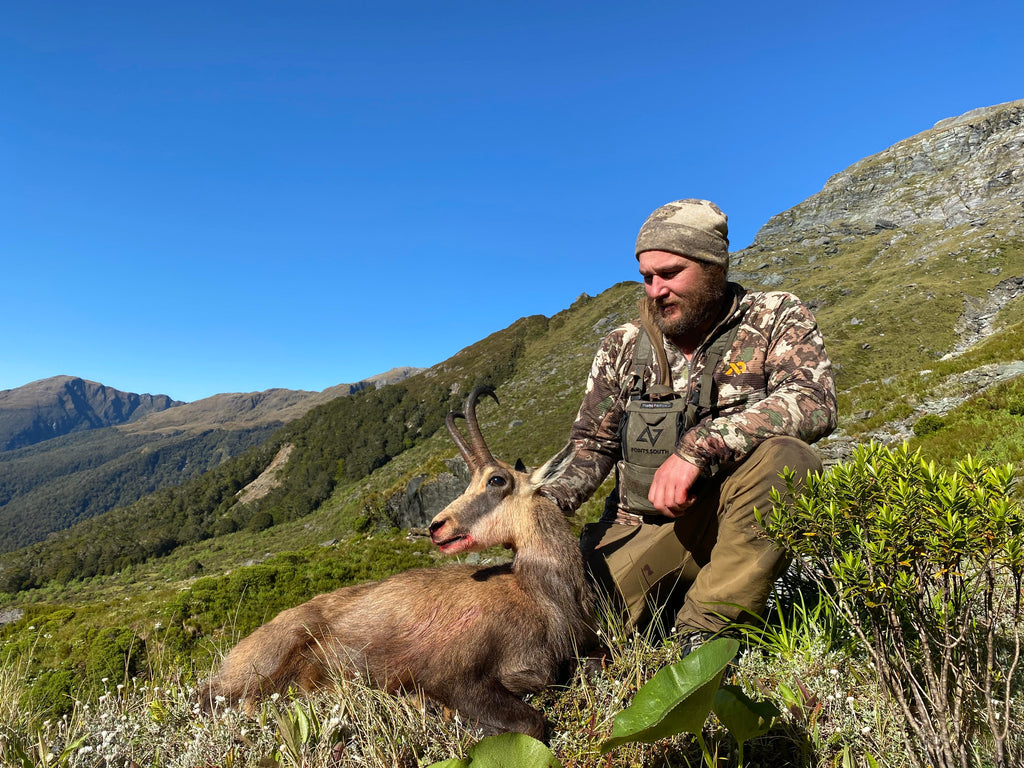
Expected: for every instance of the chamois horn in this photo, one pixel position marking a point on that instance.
(475, 452)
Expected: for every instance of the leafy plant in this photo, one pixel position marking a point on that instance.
(679, 698)
(743, 717)
(927, 424)
(506, 750)
(298, 727)
(927, 568)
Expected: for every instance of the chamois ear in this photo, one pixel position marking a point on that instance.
(553, 467)
(520, 467)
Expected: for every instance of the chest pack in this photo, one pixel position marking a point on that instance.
(657, 416)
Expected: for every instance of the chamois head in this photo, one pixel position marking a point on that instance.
(491, 510)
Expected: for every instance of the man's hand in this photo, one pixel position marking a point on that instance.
(671, 491)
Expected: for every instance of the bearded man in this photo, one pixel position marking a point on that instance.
(698, 406)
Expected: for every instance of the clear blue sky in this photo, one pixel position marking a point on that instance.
(231, 196)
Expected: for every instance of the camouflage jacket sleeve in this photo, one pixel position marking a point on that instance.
(593, 447)
(775, 380)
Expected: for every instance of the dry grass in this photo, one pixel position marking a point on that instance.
(836, 709)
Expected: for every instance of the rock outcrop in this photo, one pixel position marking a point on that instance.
(965, 170)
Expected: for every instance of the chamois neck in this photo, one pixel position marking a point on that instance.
(549, 567)
(548, 558)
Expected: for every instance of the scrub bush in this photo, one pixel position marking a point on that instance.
(927, 567)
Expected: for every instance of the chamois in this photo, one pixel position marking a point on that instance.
(474, 638)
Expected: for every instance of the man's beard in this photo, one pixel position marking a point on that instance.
(696, 310)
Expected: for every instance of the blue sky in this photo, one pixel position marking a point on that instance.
(227, 197)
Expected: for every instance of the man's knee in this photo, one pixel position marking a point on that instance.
(764, 467)
(788, 452)
(750, 486)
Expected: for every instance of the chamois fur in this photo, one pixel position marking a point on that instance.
(476, 639)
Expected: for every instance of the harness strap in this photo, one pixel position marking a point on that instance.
(700, 398)
(650, 345)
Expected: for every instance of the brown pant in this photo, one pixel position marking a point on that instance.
(714, 558)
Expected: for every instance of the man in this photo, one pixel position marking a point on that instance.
(698, 406)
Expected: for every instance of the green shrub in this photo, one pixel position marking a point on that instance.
(927, 567)
(928, 424)
(52, 693)
(260, 522)
(115, 655)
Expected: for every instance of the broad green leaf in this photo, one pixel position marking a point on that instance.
(677, 699)
(506, 750)
(512, 750)
(744, 717)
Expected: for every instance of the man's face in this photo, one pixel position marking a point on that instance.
(686, 294)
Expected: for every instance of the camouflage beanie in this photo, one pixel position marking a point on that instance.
(696, 229)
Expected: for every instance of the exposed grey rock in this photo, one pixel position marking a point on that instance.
(976, 321)
(10, 615)
(951, 393)
(424, 497)
(966, 170)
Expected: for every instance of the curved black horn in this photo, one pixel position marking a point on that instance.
(475, 451)
(476, 440)
(459, 440)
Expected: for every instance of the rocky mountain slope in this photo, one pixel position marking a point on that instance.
(926, 236)
(911, 256)
(61, 405)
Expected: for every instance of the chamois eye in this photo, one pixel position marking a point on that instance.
(497, 481)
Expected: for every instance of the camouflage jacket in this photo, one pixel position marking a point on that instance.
(775, 379)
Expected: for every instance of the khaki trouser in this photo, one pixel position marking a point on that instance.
(714, 558)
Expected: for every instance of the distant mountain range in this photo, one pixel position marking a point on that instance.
(71, 449)
(912, 259)
(64, 404)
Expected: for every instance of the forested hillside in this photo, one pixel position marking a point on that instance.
(53, 485)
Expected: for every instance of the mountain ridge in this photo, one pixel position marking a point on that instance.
(60, 405)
